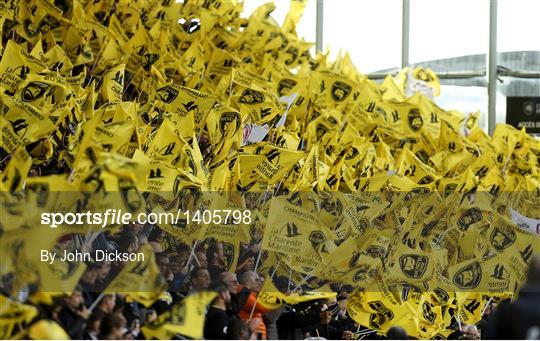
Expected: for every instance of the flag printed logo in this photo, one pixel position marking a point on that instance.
(273, 156)
(47, 23)
(155, 173)
(167, 94)
(427, 228)
(285, 85)
(56, 66)
(266, 112)
(227, 119)
(293, 52)
(449, 189)
(361, 274)
(427, 313)
(469, 276)
(442, 295)
(19, 126)
(426, 180)
(34, 91)
(190, 106)
(423, 156)
(501, 238)
(250, 96)
(527, 253)
(42, 190)
(168, 149)
(415, 120)
(130, 195)
(354, 259)
(351, 153)
(119, 78)
(21, 71)
(290, 230)
(472, 305)
(190, 162)
(340, 91)
(473, 151)
(415, 192)
(500, 272)
(381, 316)
(362, 226)
(228, 252)
(375, 251)
(148, 59)
(153, 119)
(317, 239)
(413, 266)
(321, 130)
(469, 217)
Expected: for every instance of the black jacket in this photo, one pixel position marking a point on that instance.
(72, 323)
(516, 320)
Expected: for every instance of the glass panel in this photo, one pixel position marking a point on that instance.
(518, 26)
(307, 26)
(469, 99)
(518, 44)
(370, 30)
(444, 29)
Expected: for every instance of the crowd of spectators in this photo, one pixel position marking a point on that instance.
(235, 313)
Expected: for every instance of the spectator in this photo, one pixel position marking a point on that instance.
(74, 314)
(113, 327)
(250, 309)
(93, 325)
(217, 319)
(163, 262)
(524, 313)
(295, 319)
(201, 259)
(229, 278)
(323, 328)
(469, 332)
(88, 282)
(128, 242)
(107, 304)
(214, 256)
(103, 278)
(269, 319)
(200, 280)
(238, 330)
(178, 270)
(397, 333)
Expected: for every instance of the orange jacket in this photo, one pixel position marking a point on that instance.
(245, 312)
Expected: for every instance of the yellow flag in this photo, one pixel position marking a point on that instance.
(13, 314)
(269, 296)
(112, 87)
(16, 171)
(186, 318)
(298, 234)
(140, 279)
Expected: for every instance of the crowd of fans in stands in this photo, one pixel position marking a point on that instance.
(235, 312)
